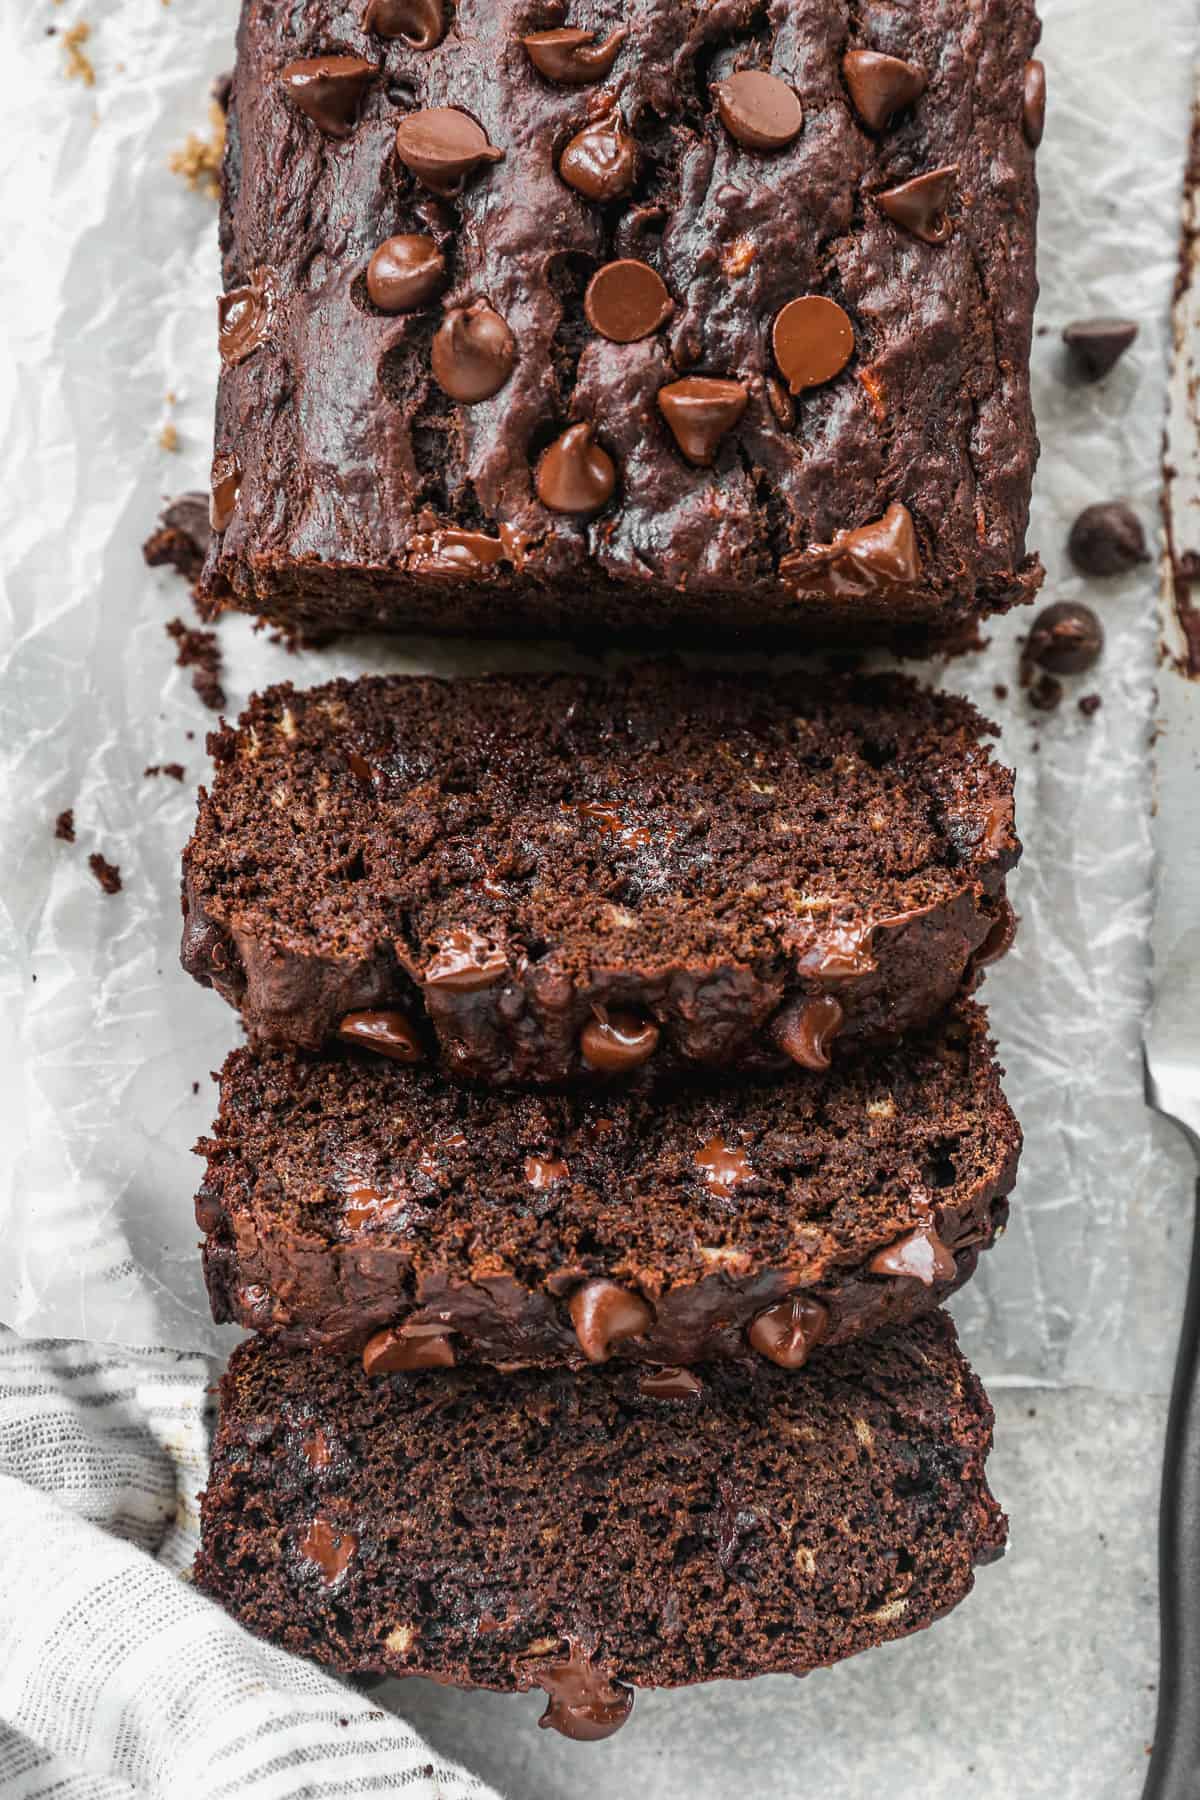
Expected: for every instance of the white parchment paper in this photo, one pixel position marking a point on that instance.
(108, 281)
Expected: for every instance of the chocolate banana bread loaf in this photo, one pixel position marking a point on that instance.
(538, 879)
(619, 319)
(593, 1533)
(354, 1204)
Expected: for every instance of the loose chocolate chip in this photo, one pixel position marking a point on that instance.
(405, 272)
(387, 1033)
(1033, 103)
(604, 1315)
(723, 1166)
(789, 1330)
(572, 57)
(330, 1548)
(1097, 345)
(329, 90)
(1107, 539)
(244, 317)
(813, 341)
(881, 86)
(583, 1704)
(455, 554)
(419, 22)
(1065, 638)
(758, 110)
(574, 475)
(804, 1031)
(406, 1347)
(443, 146)
(225, 489)
(880, 558)
(465, 962)
(473, 353)
(700, 411)
(669, 1384)
(921, 1255)
(627, 300)
(619, 1043)
(600, 162)
(920, 204)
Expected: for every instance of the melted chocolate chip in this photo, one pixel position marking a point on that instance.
(1033, 103)
(443, 146)
(387, 1033)
(700, 411)
(244, 317)
(999, 940)
(669, 1384)
(330, 1548)
(604, 1315)
(619, 1043)
(404, 1348)
(881, 558)
(225, 488)
(1066, 638)
(458, 554)
(420, 23)
(805, 1030)
(542, 1172)
(473, 353)
(574, 475)
(921, 1255)
(787, 1332)
(465, 962)
(758, 110)
(571, 57)
(723, 1166)
(920, 204)
(1097, 345)
(600, 162)
(317, 1453)
(407, 271)
(1107, 539)
(329, 90)
(813, 341)
(881, 86)
(627, 300)
(584, 1704)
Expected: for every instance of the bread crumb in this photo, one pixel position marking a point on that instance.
(79, 66)
(200, 652)
(64, 826)
(106, 873)
(168, 438)
(198, 160)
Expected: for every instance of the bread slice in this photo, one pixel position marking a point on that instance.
(537, 880)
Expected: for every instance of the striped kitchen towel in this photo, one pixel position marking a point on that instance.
(117, 1680)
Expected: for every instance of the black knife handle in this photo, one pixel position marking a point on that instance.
(1175, 1765)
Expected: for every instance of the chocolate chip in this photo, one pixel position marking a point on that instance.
(465, 962)
(920, 204)
(387, 1033)
(405, 272)
(330, 1548)
(443, 146)
(805, 1030)
(407, 1347)
(604, 1315)
(225, 489)
(244, 317)
(758, 110)
(1065, 638)
(1033, 103)
(813, 341)
(880, 558)
(1107, 539)
(618, 1043)
(881, 86)
(700, 411)
(627, 300)
(329, 90)
(473, 353)
(453, 553)
(572, 57)
(921, 1255)
(786, 1332)
(420, 23)
(542, 1172)
(723, 1166)
(574, 475)
(600, 162)
(669, 1384)
(583, 1704)
(1097, 345)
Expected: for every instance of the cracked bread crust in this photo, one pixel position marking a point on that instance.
(356, 492)
(550, 879)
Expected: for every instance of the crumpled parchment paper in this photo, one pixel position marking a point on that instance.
(108, 282)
